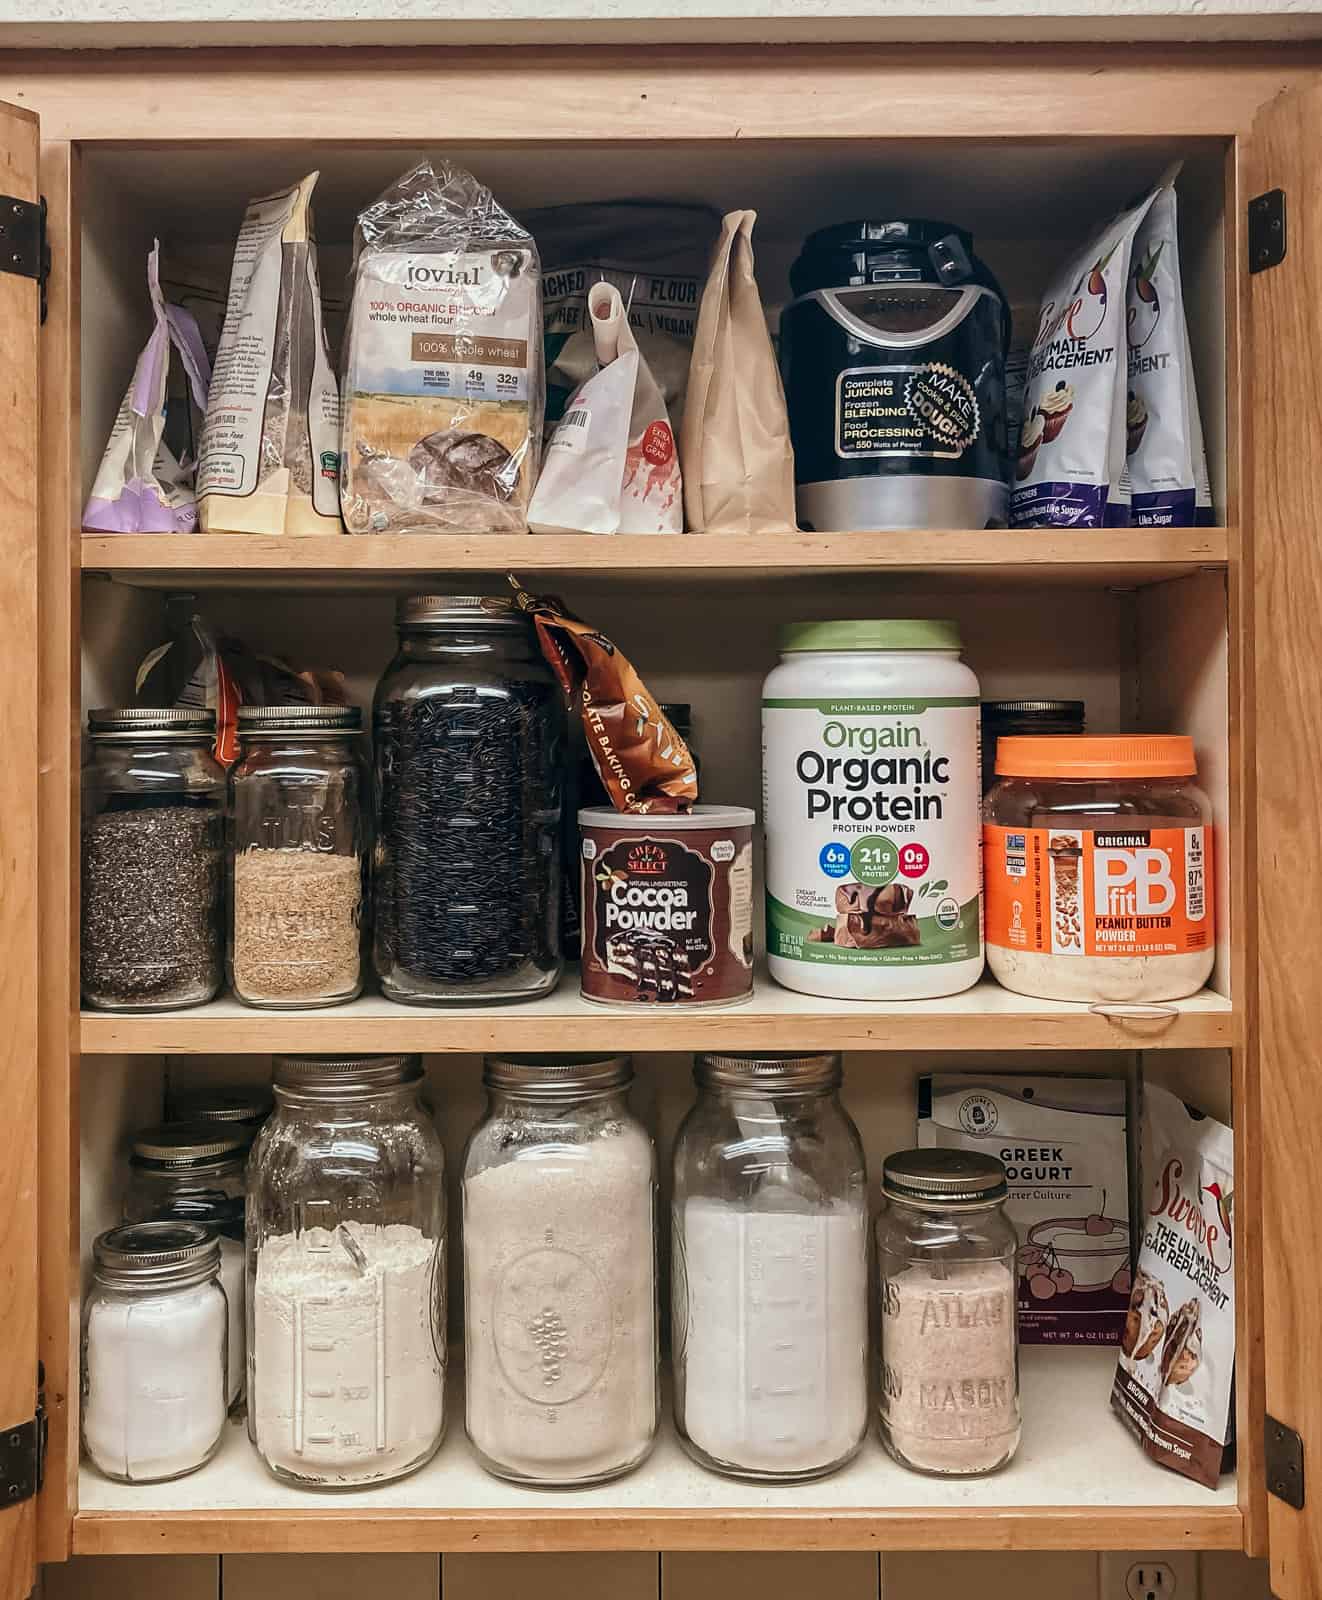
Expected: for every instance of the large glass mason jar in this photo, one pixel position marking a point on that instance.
(346, 1274)
(469, 734)
(153, 811)
(559, 1197)
(949, 1347)
(298, 856)
(769, 1269)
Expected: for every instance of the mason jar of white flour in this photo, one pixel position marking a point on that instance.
(870, 782)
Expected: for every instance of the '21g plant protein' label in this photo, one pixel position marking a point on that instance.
(871, 812)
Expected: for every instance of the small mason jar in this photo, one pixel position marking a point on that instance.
(153, 810)
(346, 1274)
(469, 734)
(298, 857)
(154, 1352)
(769, 1242)
(559, 1200)
(949, 1343)
(194, 1172)
(236, 1107)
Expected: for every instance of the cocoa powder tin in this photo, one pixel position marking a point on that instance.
(668, 906)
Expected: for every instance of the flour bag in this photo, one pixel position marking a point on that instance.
(443, 387)
(612, 465)
(1174, 1381)
(1163, 430)
(270, 448)
(141, 486)
(1070, 470)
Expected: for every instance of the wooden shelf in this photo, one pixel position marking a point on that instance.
(985, 1017)
(1079, 1481)
(1111, 557)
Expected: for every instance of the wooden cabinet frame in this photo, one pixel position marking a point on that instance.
(657, 95)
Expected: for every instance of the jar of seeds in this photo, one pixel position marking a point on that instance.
(298, 840)
(153, 805)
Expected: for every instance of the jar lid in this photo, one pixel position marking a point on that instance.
(659, 822)
(445, 610)
(343, 1077)
(870, 634)
(174, 722)
(550, 1077)
(1033, 708)
(224, 1105)
(299, 719)
(156, 1255)
(179, 1145)
(943, 1177)
(767, 1074)
(1120, 755)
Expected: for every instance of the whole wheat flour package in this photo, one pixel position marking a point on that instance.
(270, 444)
(655, 254)
(1163, 429)
(443, 386)
(1174, 1381)
(1070, 470)
(734, 443)
(1064, 1146)
(612, 465)
(141, 486)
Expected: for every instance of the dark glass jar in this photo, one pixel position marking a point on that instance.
(153, 808)
(1002, 718)
(470, 738)
(298, 857)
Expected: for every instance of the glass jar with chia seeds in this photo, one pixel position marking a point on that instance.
(153, 806)
(297, 860)
(469, 738)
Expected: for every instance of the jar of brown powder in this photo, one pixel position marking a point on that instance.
(297, 857)
(949, 1345)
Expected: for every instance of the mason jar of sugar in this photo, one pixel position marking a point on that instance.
(346, 1274)
(154, 1337)
(949, 1345)
(559, 1193)
(769, 1270)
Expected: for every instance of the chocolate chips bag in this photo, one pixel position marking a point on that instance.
(1174, 1382)
(643, 763)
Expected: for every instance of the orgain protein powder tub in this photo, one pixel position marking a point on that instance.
(870, 779)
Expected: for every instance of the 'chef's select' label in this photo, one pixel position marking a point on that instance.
(871, 814)
(1098, 892)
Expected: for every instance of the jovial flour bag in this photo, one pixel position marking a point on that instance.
(1064, 1147)
(871, 801)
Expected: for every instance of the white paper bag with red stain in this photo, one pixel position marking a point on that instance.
(612, 465)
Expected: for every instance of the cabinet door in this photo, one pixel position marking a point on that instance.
(1284, 356)
(20, 317)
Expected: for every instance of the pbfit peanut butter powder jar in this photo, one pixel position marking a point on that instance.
(667, 906)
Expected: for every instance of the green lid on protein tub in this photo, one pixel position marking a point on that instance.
(871, 634)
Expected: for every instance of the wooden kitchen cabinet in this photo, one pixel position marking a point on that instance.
(1212, 631)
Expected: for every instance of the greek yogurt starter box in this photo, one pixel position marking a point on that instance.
(1064, 1145)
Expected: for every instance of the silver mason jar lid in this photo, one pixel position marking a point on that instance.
(943, 1178)
(179, 1146)
(458, 610)
(552, 1077)
(772, 1073)
(300, 719)
(123, 723)
(225, 1106)
(156, 1255)
(343, 1077)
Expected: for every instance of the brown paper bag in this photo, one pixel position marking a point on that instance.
(734, 445)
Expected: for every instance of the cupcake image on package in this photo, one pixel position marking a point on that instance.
(1136, 421)
(1054, 408)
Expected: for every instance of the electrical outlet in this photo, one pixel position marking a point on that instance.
(1149, 1575)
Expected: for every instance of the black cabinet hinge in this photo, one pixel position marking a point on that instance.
(1285, 1463)
(24, 247)
(1267, 230)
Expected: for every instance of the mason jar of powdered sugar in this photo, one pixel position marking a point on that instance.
(559, 1191)
(346, 1274)
(769, 1269)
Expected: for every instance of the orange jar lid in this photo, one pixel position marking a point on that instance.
(1096, 756)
